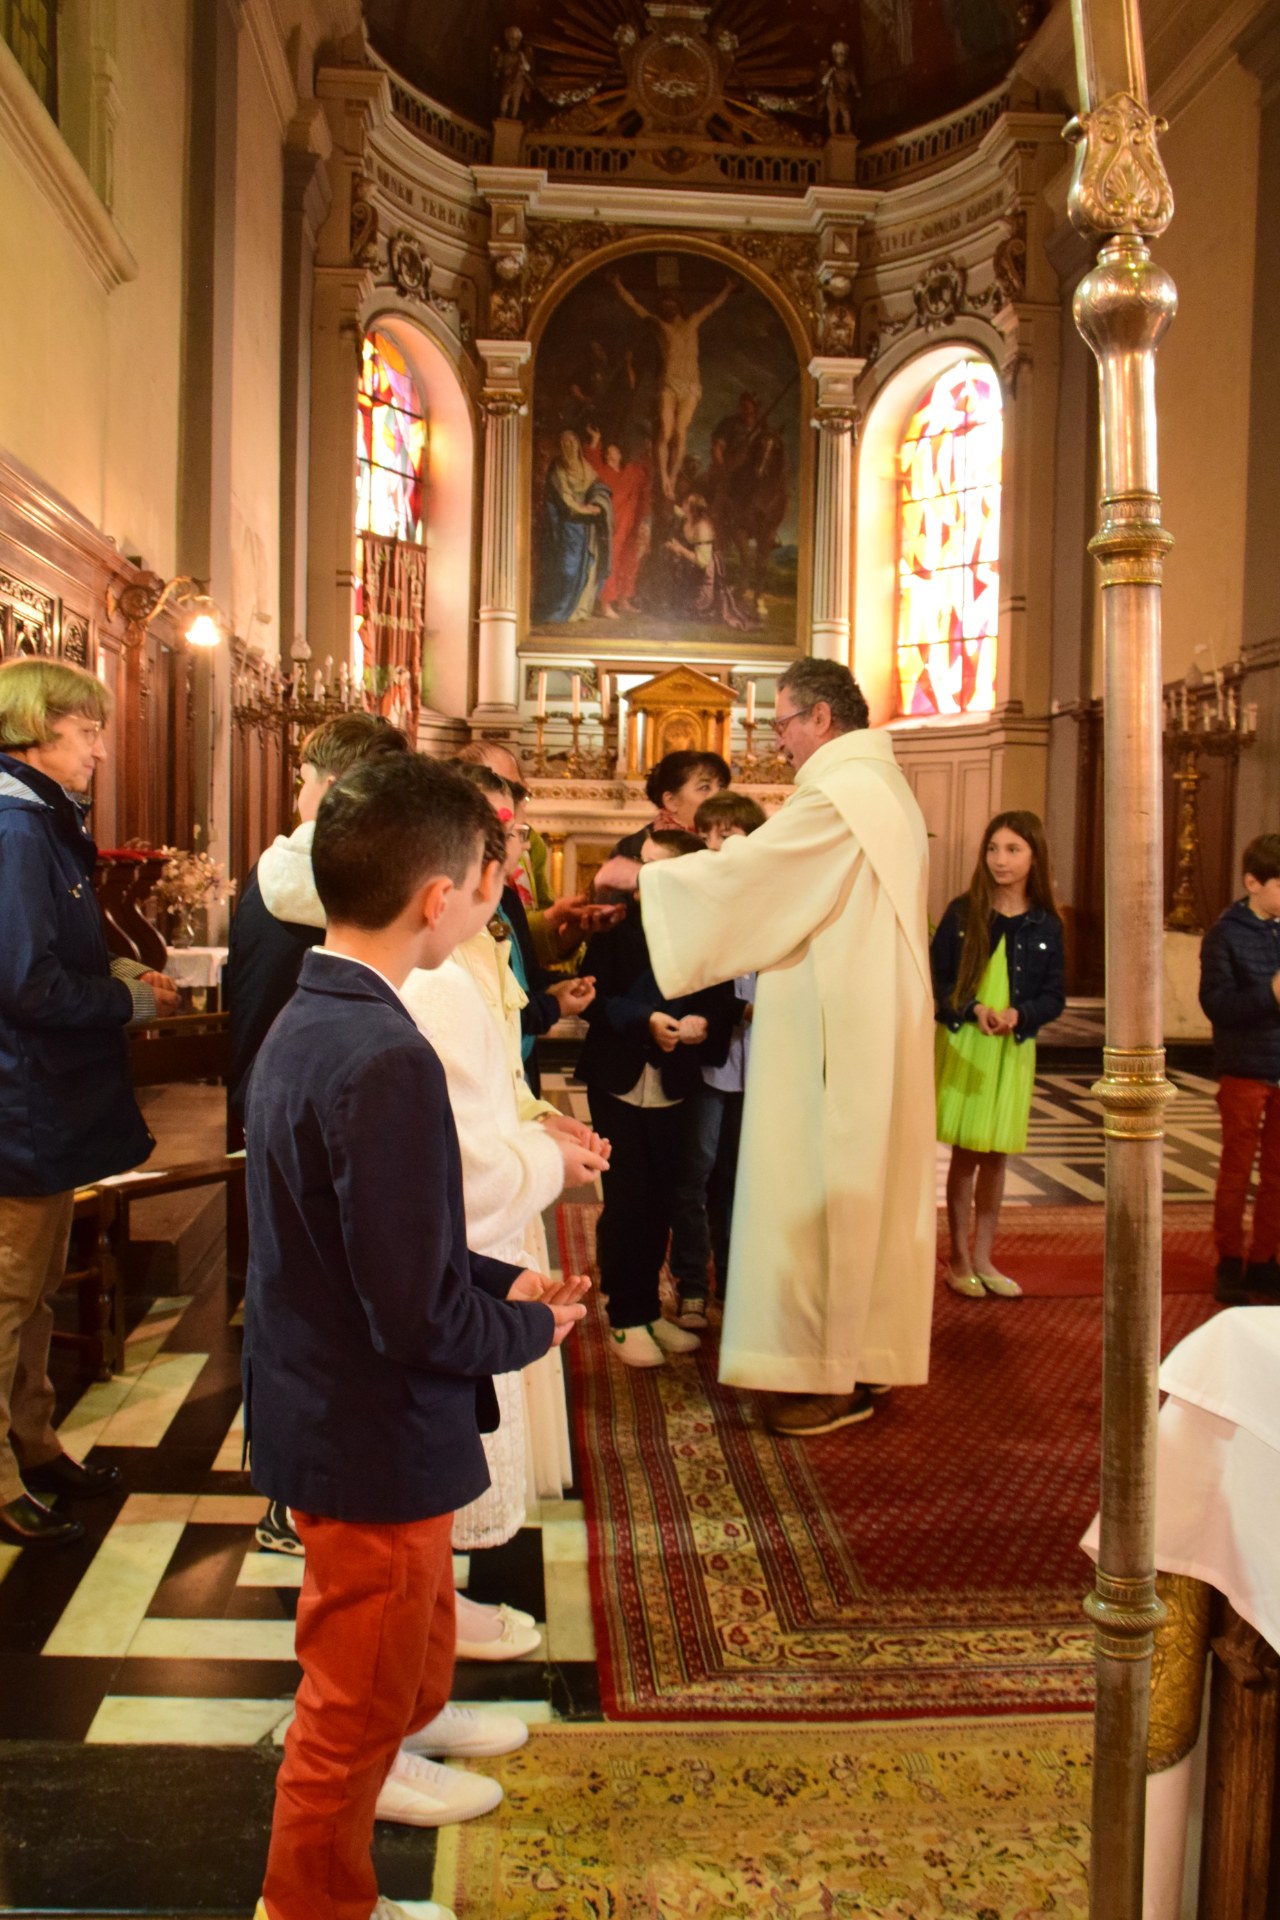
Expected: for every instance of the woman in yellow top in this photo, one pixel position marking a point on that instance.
(998, 977)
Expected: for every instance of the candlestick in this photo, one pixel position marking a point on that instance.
(749, 757)
(542, 696)
(577, 697)
(751, 703)
(1182, 705)
(575, 721)
(539, 751)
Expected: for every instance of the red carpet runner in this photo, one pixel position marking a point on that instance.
(923, 1563)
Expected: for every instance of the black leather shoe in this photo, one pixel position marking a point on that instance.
(1229, 1289)
(25, 1523)
(67, 1477)
(1262, 1276)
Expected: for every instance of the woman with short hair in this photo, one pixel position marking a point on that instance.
(677, 787)
(67, 1111)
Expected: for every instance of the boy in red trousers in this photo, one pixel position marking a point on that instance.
(371, 1332)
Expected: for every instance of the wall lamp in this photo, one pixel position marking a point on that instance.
(139, 603)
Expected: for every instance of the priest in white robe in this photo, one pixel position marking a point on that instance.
(832, 1258)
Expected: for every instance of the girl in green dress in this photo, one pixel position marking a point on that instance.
(998, 977)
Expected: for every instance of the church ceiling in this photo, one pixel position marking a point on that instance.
(913, 59)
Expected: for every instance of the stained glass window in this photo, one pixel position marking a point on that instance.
(391, 459)
(393, 445)
(949, 545)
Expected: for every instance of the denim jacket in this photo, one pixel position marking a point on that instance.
(1037, 968)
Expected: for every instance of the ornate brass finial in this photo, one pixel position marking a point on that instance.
(1119, 184)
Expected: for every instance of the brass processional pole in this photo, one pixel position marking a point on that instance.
(1120, 197)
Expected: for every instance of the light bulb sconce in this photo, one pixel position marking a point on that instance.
(139, 603)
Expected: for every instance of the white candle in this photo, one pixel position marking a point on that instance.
(577, 696)
(751, 702)
(1251, 716)
(604, 696)
(542, 696)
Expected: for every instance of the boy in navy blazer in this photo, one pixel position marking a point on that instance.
(371, 1332)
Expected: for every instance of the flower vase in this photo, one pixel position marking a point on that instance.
(182, 927)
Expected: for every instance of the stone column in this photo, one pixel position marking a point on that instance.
(497, 659)
(306, 202)
(204, 497)
(356, 100)
(1258, 789)
(835, 419)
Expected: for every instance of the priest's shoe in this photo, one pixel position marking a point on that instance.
(71, 1479)
(800, 1414)
(421, 1793)
(1229, 1289)
(25, 1523)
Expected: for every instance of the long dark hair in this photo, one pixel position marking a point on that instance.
(980, 901)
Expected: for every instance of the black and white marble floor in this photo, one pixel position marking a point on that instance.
(149, 1669)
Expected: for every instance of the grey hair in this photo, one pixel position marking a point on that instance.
(808, 681)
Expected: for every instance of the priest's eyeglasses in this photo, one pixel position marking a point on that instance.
(521, 834)
(780, 726)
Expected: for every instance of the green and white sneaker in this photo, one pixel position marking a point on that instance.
(636, 1347)
(673, 1339)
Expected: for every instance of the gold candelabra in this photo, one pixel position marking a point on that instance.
(1200, 716)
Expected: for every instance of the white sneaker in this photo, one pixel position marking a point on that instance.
(463, 1732)
(421, 1793)
(512, 1643)
(411, 1910)
(673, 1339)
(1001, 1284)
(636, 1347)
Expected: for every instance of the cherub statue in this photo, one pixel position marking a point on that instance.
(838, 89)
(513, 71)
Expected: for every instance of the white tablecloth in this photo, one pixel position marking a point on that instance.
(1217, 1519)
(195, 966)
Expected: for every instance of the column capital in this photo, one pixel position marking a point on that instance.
(504, 363)
(836, 378)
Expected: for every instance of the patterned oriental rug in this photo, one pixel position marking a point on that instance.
(812, 1823)
(922, 1564)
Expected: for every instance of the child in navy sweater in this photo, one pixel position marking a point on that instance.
(1240, 992)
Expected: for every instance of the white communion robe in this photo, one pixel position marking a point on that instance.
(832, 1257)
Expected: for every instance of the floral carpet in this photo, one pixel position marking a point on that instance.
(924, 1564)
(988, 1820)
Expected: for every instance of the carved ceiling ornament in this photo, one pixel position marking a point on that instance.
(1118, 184)
(699, 72)
(364, 223)
(941, 295)
(409, 266)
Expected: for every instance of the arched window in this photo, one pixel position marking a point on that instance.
(949, 545)
(391, 557)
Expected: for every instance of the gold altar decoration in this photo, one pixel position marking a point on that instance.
(1177, 1669)
(677, 710)
(1201, 715)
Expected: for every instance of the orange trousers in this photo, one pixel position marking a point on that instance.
(375, 1640)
